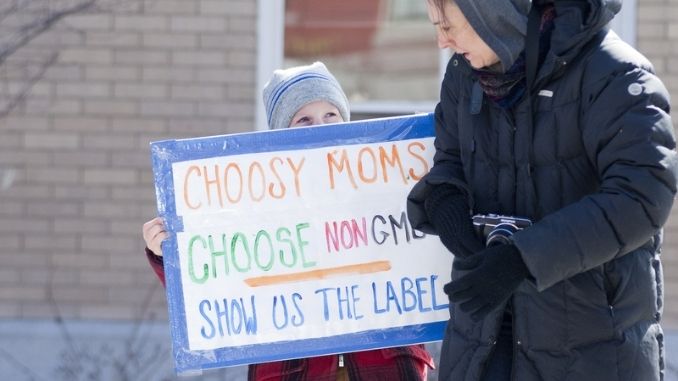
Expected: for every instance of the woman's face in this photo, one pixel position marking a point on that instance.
(455, 32)
(315, 113)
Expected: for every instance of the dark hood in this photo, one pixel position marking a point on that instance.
(577, 22)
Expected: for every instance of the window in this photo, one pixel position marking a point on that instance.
(383, 52)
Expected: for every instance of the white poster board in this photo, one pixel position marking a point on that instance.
(296, 243)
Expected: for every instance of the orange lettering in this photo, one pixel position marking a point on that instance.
(209, 183)
(190, 169)
(361, 172)
(296, 171)
(263, 181)
(340, 167)
(392, 161)
(277, 176)
(228, 194)
(414, 176)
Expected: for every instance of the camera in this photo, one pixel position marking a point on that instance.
(497, 229)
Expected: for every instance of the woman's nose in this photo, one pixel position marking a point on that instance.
(443, 41)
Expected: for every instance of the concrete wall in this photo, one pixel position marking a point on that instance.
(658, 40)
(74, 155)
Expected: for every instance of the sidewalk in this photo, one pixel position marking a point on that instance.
(42, 350)
(671, 337)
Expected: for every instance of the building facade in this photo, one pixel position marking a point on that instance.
(75, 176)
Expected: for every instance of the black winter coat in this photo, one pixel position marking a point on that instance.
(597, 175)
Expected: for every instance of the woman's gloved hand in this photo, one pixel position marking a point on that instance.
(495, 274)
(447, 209)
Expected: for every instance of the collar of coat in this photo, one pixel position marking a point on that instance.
(576, 25)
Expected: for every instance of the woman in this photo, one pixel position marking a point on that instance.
(296, 97)
(546, 115)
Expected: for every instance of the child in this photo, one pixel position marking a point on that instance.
(308, 96)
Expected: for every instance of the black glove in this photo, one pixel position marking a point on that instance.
(496, 273)
(448, 211)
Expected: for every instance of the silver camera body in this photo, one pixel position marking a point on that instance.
(497, 229)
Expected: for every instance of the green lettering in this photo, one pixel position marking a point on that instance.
(234, 241)
(191, 267)
(303, 243)
(293, 251)
(216, 253)
(263, 234)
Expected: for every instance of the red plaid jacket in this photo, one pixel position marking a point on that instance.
(409, 363)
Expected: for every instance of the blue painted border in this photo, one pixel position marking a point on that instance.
(354, 342)
(167, 152)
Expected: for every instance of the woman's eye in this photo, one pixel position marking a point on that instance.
(304, 119)
(330, 115)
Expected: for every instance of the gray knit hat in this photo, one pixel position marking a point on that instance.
(502, 24)
(290, 89)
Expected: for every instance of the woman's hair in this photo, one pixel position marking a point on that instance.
(440, 5)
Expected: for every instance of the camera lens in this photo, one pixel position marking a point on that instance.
(501, 234)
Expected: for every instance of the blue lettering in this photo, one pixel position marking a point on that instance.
(205, 304)
(413, 295)
(298, 319)
(233, 315)
(284, 312)
(391, 296)
(377, 310)
(326, 310)
(236, 312)
(407, 291)
(355, 301)
(250, 321)
(436, 306)
(222, 315)
(344, 301)
(420, 292)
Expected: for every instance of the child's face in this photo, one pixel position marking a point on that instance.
(316, 113)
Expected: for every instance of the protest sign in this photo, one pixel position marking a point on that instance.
(296, 243)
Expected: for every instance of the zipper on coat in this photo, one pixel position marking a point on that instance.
(472, 159)
(493, 342)
(516, 341)
(511, 120)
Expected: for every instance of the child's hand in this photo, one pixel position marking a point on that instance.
(154, 233)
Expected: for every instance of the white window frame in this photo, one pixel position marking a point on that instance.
(270, 50)
(270, 56)
(626, 22)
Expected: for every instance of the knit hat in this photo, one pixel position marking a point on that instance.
(502, 24)
(290, 89)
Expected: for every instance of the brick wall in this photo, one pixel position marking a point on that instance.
(74, 155)
(658, 40)
(75, 179)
